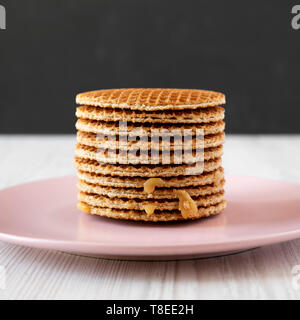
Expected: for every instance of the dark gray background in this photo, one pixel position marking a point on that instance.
(53, 49)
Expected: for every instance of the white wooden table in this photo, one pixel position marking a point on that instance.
(264, 273)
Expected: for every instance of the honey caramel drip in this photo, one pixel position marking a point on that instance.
(187, 205)
(152, 183)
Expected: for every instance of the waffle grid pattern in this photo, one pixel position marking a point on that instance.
(152, 99)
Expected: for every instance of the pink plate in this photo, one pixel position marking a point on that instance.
(43, 214)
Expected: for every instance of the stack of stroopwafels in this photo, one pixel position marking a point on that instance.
(130, 158)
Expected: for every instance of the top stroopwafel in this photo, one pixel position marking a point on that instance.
(201, 115)
(151, 99)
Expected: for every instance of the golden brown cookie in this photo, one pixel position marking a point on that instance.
(159, 216)
(206, 178)
(139, 204)
(138, 193)
(98, 141)
(146, 170)
(151, 99)
(146, 157)
(201, 115)
(148, 129)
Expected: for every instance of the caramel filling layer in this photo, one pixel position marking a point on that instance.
(83, 207)
(187, 205)
(152, 183)
(149, 208)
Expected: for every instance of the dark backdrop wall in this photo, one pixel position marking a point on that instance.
(53, 49)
